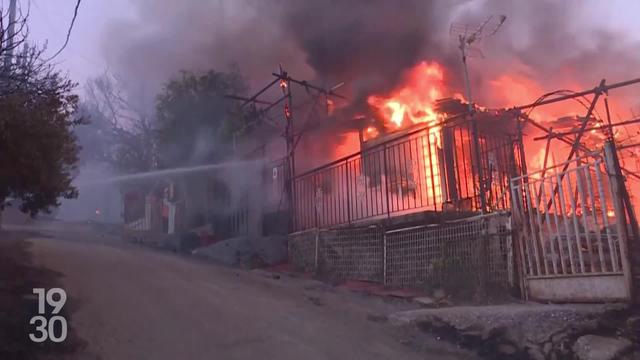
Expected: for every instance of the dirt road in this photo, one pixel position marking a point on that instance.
(129, 302)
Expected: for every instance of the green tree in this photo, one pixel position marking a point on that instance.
(38, 150)
(196, 122)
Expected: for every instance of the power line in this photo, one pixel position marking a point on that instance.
(66, 41)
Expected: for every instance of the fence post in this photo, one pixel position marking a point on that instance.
(384, 256)
(386, 179)
(314, 200)
(483, 256)
(518, 233)
(315, 257)
(346, 171)
(616, 181)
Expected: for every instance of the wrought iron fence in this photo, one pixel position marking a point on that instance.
(427, 169)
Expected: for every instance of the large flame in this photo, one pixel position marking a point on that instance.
(412, 102)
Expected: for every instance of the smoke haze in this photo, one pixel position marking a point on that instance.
(543, 46)
(364, 43)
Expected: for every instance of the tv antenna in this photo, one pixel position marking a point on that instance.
(467, 37)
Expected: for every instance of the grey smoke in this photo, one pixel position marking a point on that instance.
(366, 44)
(555, 43)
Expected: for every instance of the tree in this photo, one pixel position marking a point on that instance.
(196, 123)
(121, 133)
(38, 150)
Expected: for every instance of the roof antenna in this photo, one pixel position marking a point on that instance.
(466, 38)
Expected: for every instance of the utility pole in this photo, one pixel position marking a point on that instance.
(466, 39)
(284, 81)
(11, 32)
(474, 127)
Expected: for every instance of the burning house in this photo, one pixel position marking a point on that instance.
(406, 181)
(416, 155)
(422, 154)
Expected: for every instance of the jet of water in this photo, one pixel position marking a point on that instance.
(163, 172)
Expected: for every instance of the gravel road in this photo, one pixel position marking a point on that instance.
(130, 302)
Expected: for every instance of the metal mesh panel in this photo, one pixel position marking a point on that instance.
(448, 255)
(451, 256)
(355, 253)
(302, 250)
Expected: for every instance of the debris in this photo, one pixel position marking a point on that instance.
(246, 251)
(445, 302)
(593, 347)
(633, 324)
(234, 251)
(425, 301)
(535, 331)
(439, 294)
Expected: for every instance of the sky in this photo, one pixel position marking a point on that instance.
(85, 56)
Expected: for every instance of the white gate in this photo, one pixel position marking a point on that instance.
(571, 232)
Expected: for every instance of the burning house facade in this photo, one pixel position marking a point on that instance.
(439, 195)
(417, 155)
(418, 169)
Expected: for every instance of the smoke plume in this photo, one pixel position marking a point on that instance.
(543, 46)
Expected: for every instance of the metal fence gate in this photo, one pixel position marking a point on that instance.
(571, 232)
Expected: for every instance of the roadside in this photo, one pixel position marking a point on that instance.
(18, 277)
(129, 301)
(534, 330)
(493, 327)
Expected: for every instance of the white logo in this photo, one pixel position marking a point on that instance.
(54, 328)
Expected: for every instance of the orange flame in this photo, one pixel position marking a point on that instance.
(413, 102)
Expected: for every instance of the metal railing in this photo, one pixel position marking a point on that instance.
(427, 169)
(568, 220)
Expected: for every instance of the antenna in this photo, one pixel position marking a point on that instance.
(467, 37)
